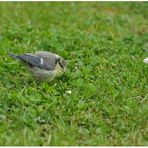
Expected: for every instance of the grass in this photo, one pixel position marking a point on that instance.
(104, 44)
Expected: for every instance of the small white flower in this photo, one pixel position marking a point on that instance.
(68, 92)
(145, 60)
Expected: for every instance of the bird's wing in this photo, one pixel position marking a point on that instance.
(33, 61)
(48, 57)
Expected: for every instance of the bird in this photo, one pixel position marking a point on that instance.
(43, 65)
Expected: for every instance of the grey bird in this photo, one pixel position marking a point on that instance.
(43, 65)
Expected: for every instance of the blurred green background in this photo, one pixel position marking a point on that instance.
(105, 44)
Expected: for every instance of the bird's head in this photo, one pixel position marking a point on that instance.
(60, 66)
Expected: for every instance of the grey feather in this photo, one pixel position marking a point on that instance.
(13, 55)
(34, 60)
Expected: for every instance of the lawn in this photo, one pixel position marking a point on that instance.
(104, 44)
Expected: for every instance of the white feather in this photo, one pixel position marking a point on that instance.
(41, 60)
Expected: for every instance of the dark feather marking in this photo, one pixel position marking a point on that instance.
(32, 61)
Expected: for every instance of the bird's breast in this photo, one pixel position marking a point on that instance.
(41, 74)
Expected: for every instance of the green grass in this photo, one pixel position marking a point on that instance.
(104, 44)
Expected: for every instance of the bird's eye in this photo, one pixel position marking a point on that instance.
(61, 64)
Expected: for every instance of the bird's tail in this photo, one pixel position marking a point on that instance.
(13, 55)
